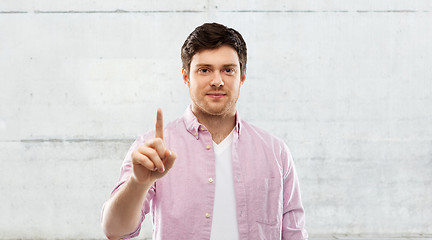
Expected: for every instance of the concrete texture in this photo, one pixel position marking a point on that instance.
(347, 84)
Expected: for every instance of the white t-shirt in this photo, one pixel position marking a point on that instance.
(224, 222)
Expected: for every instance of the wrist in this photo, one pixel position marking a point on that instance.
(133, 181)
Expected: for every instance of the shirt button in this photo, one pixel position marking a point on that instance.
(208, 146)
(195, 133)
(202, 128)
(210, 180)
(207, 215)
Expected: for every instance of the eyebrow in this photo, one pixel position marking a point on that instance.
(231, 65)
(209, 65)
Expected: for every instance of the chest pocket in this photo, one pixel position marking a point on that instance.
(268, 200)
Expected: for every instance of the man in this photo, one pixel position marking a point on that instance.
(230, 180)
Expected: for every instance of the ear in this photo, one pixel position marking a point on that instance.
(243, 78)
(185, 77)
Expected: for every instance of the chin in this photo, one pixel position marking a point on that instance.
(218, 110)
(214, 108)
(215, 112)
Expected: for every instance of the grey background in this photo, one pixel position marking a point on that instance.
(347, 84)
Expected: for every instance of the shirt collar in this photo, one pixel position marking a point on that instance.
(194, 127)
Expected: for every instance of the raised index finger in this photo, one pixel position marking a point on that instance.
(159, 124)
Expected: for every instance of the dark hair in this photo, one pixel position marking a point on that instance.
(211, 36)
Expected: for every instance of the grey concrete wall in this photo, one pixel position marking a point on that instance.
(347, 84)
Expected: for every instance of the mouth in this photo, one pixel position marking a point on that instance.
(216, 95)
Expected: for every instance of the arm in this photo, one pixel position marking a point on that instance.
(293, 223)
(151, 161)
(122, 212)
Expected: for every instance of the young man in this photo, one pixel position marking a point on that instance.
(231, 180)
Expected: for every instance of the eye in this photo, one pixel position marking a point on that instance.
(229, 71)
(203, 70)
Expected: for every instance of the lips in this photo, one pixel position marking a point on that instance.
(216, 94)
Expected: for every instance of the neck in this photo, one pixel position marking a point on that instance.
(219, 126)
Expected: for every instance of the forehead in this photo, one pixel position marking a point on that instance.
(224, 55)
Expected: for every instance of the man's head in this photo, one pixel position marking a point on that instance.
(211, 36)
(214, 69)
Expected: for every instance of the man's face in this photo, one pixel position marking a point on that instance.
(214, 81)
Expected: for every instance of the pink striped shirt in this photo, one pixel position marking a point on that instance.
(267, 193)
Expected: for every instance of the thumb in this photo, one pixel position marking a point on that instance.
(170, 158)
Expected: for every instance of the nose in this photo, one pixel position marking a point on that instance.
(217, 80)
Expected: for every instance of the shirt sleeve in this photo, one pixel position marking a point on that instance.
(293, 222)
(125, 173)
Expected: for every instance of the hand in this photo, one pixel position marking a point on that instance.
(152, 160)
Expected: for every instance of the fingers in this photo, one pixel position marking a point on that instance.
(138, 158)
(159, 124)
(153, 155)
(150, 159)
(158, 145)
